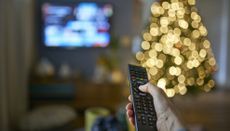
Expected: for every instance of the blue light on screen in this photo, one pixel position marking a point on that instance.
(82, 25)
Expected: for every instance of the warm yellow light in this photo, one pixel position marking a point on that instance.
(175, 52)
(203, 53)
(199, 81)
(192, 47)
(189, 65)
(154, 31)
(161, 83)
(195, 63)
(206, 88)
(164, 21)
(195, 34)
(181, 12)
(178, 71)
(147, 36)
(176, 88)
(183, 24)
(172, 19)
(174, 1)
(158, 47)
(175, 48)
(156, 9)
(167, 50)
(171, 13)
(178, 60)
(206, 44)
(195, 54)
(170, 92)
(212, 61)
(194, 15)
(175, 6)
(153, 25)
(211, 83)
(162, 57)
(191, 2)
(164, 29)
(187, 42)
(181, 79)
(183, 90)
(152, 53)
(203, 31)
(145, 45)
(191, 81)
(195, 24)
(151, 62)
(140, 56)
(160, 63)
(161, 10)
(198, 19)
(177, 31)
(165, 5)
(153, 71)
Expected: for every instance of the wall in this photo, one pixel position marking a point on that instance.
(84, 59)
(215, 17)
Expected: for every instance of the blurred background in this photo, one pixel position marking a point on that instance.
(63, 63)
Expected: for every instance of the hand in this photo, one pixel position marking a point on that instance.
(167, 120)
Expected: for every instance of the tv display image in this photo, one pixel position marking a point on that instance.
(82, 24)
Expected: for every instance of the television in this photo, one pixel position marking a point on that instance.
(75, 24)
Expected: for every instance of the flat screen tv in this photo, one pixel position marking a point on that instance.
(75, 24)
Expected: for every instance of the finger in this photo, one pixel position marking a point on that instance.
(132, 121)
(130, 98)
(145, 88)
(149, 88)
(130, 113)
(129, 106)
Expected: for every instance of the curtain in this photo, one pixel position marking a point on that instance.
(15, 57)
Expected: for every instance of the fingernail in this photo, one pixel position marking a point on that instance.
(141, 87)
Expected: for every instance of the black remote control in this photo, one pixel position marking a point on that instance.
(143, 106)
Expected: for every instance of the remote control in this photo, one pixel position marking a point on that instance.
(143, 106)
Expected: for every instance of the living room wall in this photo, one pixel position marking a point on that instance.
(84, 59)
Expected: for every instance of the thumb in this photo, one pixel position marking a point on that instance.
(147, 88)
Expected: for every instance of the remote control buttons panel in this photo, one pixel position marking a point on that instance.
(145, 116)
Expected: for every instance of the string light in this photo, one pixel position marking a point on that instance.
(170, 92)
(191, 2)
(145, 45)
(161, 83)
(175, 48)
(183, 24)
(153, 71)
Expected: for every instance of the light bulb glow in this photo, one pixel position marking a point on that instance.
(175, 49)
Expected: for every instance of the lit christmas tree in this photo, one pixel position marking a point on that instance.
(175, 49)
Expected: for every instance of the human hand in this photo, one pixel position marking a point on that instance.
(167, 120)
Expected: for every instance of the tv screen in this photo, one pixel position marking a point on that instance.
(82, 24)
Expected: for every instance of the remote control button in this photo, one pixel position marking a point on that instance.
(151, 109)
(152, 113)
(142, 94)
(143, 117)
(144, 122)
(137, 96)
(150, 119)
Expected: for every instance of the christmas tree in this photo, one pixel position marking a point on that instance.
(175, 49)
